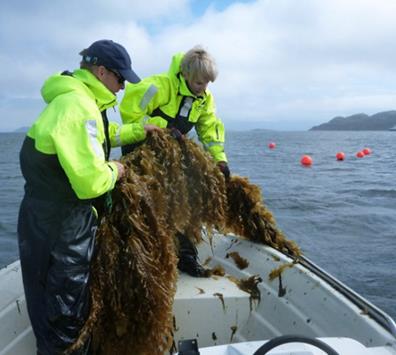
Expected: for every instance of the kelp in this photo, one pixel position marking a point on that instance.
(248, 217)
(170, 187)
(242, 263)
(250, 286)
(279, 270)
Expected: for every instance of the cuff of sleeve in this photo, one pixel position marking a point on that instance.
(158, 121)
(218, 154)
(132, 133)
(114, 174)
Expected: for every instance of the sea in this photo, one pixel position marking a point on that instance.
(342, 214)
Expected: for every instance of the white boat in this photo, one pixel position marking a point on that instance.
(393, 128)
(305, 303)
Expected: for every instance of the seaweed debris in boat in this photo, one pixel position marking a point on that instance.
(200, 290)
(277, 273)
(242, 263)
(234, 329)
(221, 298)
(207, 261)
(279, 270)
(218, 270)
(249, 285)
(170, 187)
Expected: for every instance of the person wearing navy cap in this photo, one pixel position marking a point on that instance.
(65, 162)
(113, 57)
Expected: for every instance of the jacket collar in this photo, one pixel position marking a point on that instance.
(103, 96)
(184, 89)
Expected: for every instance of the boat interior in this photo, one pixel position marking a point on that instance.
(240, 306)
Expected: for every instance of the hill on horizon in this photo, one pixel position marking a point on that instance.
(382, 121)
(22, 129)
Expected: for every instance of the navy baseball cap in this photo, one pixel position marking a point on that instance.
(112, 56)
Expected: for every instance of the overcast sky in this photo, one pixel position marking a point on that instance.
(283, 64)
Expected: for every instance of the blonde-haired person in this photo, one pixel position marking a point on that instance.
(180, 100)
(198, 66)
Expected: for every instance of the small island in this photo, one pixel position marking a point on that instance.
(382, 121)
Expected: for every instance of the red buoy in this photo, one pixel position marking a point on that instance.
(366, 151)
(306, 160)
(359, 154)
(340, 156)
(271, 145)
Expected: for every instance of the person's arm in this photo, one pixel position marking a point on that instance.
(79, 150)
(129, 133)
(122, 134)
(210, 132)
(141, 99)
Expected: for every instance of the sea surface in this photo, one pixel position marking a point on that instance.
(341, 213)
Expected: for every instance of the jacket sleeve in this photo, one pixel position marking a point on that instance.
(126, 133)
(79, 150)
(210, 131)
(141, 99)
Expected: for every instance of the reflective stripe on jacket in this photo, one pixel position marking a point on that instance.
(165, 98)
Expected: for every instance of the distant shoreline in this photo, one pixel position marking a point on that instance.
(382, 121)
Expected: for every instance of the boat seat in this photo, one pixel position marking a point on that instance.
(212, 309)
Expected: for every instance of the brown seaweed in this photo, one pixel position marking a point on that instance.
(242, 263)
(279, 270)
(248, 217)
(169, 188)
(250, 286)
(221, 298)
(218, 270)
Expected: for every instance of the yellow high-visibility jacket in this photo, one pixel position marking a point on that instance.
(166, 101)
(63, 154)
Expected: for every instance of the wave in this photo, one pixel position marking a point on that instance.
(385, 193)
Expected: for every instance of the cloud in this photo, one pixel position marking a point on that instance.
(278, 60)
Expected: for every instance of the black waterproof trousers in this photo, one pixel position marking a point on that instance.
(56, 242)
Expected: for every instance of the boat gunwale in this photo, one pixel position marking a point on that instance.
(367, 307)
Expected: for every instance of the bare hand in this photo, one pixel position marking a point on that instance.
(175, 133)
(150, 128)
(223, 166)
(120, 169)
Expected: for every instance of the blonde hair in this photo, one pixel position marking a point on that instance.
(198, 64)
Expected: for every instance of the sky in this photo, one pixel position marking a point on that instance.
(283, 64)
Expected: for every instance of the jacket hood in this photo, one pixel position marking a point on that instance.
(82, 82)
(174, 67)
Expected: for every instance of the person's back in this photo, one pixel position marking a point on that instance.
(64, 160)
(56, 157)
